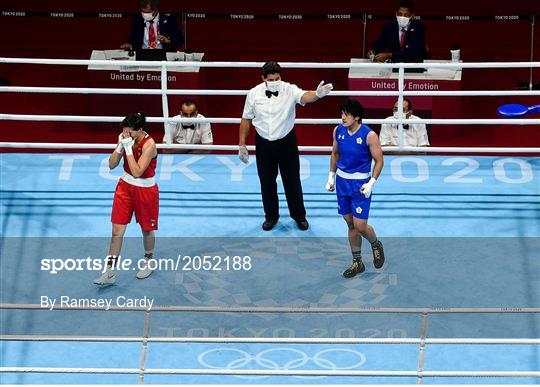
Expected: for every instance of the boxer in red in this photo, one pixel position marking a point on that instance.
(136, 192)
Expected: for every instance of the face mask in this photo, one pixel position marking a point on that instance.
(273, 86)
(188, 125)
(403, 21)
(148, 16)
(398, 115)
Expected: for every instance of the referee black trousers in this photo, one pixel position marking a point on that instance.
(281, 154)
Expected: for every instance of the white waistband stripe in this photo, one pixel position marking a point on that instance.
(139, 181)
(354, 176)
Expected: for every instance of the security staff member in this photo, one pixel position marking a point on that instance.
(271, 108)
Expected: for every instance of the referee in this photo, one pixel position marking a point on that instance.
(271, 108)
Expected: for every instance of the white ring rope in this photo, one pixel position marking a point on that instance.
(203, 371)
(298, 121)
(328, 65)
(335, 93)
(281, 309)
(163, 91)
(234, 148)
(275, 340)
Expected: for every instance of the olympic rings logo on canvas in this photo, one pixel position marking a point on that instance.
(282, 358)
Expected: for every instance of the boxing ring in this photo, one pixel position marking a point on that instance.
(458, 300)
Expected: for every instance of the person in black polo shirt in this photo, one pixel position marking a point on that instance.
(271, 108)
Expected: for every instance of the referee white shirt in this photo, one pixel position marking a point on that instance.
(416, 135)
(201, 133)
(273, 117)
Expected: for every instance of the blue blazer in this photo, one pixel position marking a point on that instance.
(414, 49)
(167, 27)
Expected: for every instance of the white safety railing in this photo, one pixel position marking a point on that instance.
(422, 341)
(285, 309)
(163, 91)
(164, 66)
(300, 121)
(234, 148)
(228, 372)
(272, 340)
(301, 65)
(335, 93)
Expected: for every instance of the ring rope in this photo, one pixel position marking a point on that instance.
(164, 65)
(327, 65)
(282, 309)
(300, 121)
(201, 371)
(52, 145)
(334, 93)
(275, 340)
(419, 373)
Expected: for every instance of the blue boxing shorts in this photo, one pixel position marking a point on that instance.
(350, 200)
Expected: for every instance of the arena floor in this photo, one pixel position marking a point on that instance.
(458, 231)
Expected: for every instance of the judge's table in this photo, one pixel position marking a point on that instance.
(140, 77)
(372, 79)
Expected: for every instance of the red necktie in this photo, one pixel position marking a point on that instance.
(402, 40)
(152, 35)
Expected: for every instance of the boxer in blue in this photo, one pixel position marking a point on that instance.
(355, 147)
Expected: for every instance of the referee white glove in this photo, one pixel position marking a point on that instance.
(331, 183)
(119, 146)
(128, 142)
(323, 90)
(368, 187)
(243, 154)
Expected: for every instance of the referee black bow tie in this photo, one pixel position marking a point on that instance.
(269, 93)
(188, 126)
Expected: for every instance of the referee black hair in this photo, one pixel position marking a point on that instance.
(136, 121)
(271, 68)
(353, 107)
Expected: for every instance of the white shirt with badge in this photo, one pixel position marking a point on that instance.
(146, 39)
(415, 135)
(272, 117)
(201, 133)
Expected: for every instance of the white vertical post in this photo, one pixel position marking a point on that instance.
(184, 24)
(165, 102)
(364, 37)
(422, 349)
(532, 52)
(144, 347)
(401, 87)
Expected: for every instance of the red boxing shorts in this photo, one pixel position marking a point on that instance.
(144, 201)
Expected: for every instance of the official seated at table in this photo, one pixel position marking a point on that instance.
(402, 40)
(189, 132)
(154, 30)
(413, 134)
